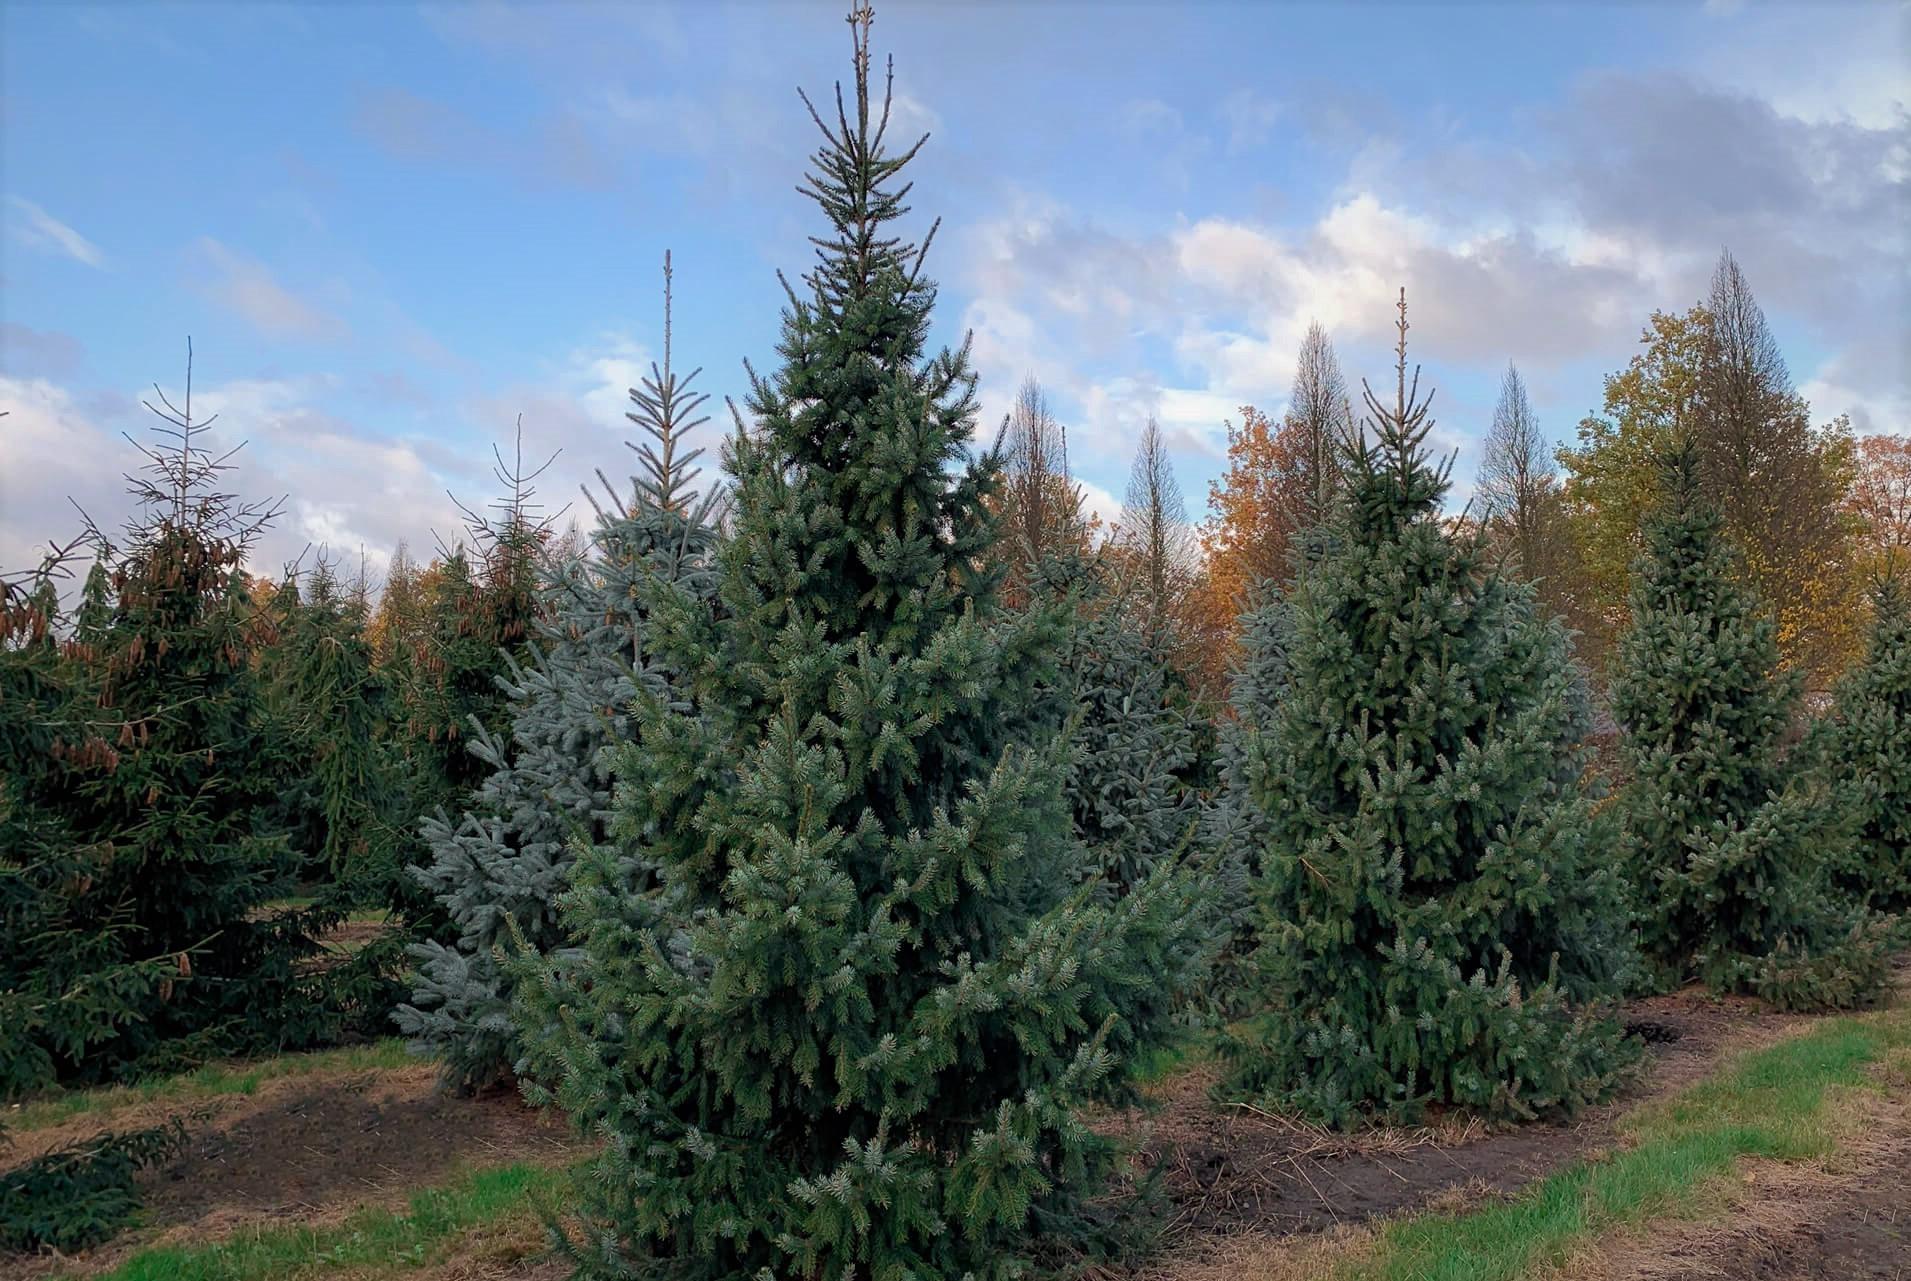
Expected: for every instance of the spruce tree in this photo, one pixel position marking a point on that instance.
(1439, 924)
(1864, 754)
(1234, 827)
(70, 978)
(856, 1043)
(499, 869)
(167, 634)
(333, 712)
(1727, 847)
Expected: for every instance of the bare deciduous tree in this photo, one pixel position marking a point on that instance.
(1518, 491)
(1041, 504)
(1321, 410)
(1156, 544)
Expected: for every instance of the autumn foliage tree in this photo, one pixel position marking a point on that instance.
(1779, 483)
(1281, 480)
(1879, 501)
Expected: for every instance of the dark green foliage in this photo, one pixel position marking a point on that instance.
(1141, 749)
(68, 981)
(167, 805)
(78, 1197)
(1728, 845)
(856, 1042)
(1440, 923)
(341, 795)
(1864, 754)
(498, 872)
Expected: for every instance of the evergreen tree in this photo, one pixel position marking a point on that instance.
(1864, 750)
(1439, 924)
(1234, 826)
(1142, 751)
(333, 709)
(69, 979)
(857, 1046)
(499, 869)
(1726, 847)
(191, 869)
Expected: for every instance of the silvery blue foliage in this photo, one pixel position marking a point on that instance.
(500, 867)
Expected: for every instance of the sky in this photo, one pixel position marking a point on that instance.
(390, 232)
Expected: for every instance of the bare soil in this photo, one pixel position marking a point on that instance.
(1238, 1179)
(309, 1149)
(1241, 1185)
(1846, 1219)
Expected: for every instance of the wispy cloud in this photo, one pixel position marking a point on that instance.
(248, 288)
(36, 227)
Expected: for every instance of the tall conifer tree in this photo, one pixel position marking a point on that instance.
(499, 869)
(1864, 752)
(1728, 850)
(1439, 923)
(167, 634)
(858, 1047)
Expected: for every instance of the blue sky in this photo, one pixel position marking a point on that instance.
(390, 231)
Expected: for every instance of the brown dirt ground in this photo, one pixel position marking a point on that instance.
(1242, 1185)
(1844, 1219)
(1239, 1181)
(310, 1148)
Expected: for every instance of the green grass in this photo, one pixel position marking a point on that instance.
(1779, 1103)
(231, 1077)
(299, 902)
(1182, 1049)
(375, 1242)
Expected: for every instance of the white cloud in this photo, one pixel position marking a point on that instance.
(248, 288)
(40, 229)
(51, 450)
(347, 490)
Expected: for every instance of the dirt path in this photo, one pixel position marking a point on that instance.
(1241, 1183)
(1844, 1219)
(310, 1149)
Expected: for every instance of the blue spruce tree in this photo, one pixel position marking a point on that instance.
(499, 868)
(857, 1046)
(1439, 922)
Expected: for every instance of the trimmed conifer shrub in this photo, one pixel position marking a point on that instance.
(851, 1036)
(1729, 848)
(1440, 922)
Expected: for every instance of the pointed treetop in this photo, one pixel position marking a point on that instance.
(178, 490)
(667, 411)
(1393, 475)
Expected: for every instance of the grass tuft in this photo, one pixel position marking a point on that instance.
(237, 1076)
(370, 1242)
(1786, 1103)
